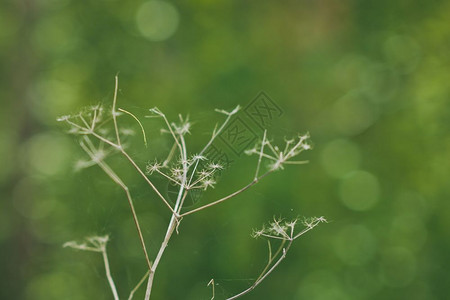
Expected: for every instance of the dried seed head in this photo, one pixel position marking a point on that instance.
(208, 183)
(63, 118)
(152, 167)
(215, 166)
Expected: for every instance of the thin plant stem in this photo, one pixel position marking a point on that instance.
(271, 257)
(173, 220)
(147, 180)
(216, 133)
(167, 176)
(272, 148)
(273, 236)
(104, 140)
(300, 162)
(108, 274)
(199, 179)
(94, 119)
(133, 163)
(260, 155)
(211, 283)
(264, 275)
(138, 285)
(84, 121)
(170, 155)
(193, 172)
(229, 196)
(273, 261)
(139, 122)
(114, 113)
(170, 229)
(125, 153)
(169, 127)
(118, 181)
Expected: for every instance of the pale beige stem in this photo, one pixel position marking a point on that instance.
(108, 274)
(119, 182)
(138, 285)
(173, 220)
(229, 196)
(114, 113)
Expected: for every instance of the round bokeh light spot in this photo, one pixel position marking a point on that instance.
(340, 157)
(359, 191)
(157, 20)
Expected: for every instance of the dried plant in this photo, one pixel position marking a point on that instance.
(187, 172)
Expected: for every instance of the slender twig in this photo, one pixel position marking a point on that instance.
(94, 119)
(217, 132)
(227, 197)
(167, 176)
(84, 120)
(118, 181)
(260, 154)
(138, 285)
(158, 112)
(211, 283)
(170, 155)
(173, 220)
(139, 122)
(200, 179)
(119, 146)
(285, 232)
(267, 273)
(75, 125)
(272, 149)
(97, 244)
(193, 172)
(114, 113)
(309, 227)
(108, 274)
(300, 162)
(133, 163)
(105, 140)
(170, 229)
(273, 236)
(271, 257)
(148, 180)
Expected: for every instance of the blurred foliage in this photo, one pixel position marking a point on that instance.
(368, 79)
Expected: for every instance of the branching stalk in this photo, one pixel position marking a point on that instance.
(138, 285)
(108, 275)
(187, 174)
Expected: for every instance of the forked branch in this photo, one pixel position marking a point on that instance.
(90, 150)
(279, 229)
(97, 244)
(188, 173)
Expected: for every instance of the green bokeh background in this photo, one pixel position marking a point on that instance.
(368, 79)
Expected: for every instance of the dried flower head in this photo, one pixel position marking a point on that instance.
(285, 230)
(94, 243)
(153, 167)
